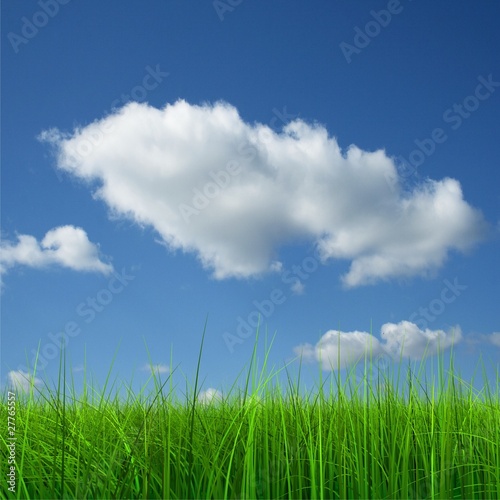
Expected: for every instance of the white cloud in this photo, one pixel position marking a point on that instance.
(211, 395)
(233, 193)
(305, 352)
(494, 338)
(66, 246)
(338, 349)
(22, 381)
(407, 339)
(157, 369)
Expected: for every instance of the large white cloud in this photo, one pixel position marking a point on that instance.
(66, 246)
(233, 192)
(337, 349)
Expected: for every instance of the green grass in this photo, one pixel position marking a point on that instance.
(369, 437)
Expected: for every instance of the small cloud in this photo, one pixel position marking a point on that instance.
(305, 351)
(494, 338)
(407, 340)
(22, 381)
(156, 369)
(336, 350)
(66, 246)
(211, 395)
(339, 349)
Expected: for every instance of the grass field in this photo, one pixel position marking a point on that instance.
(385, 435)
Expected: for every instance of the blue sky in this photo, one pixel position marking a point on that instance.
(332, 166)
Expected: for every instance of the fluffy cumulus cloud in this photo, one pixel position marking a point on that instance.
(156, 369)
(233, 193)
(22, 381)
(66, 246)
(494, 338)
(407, 340)
(336, 350)
(209, 396)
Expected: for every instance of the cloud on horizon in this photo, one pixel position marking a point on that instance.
(494, 338)
(22, 381)
(156, 369)
(65, 246)
(232, 193)
(336, 349)
(209, 396)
